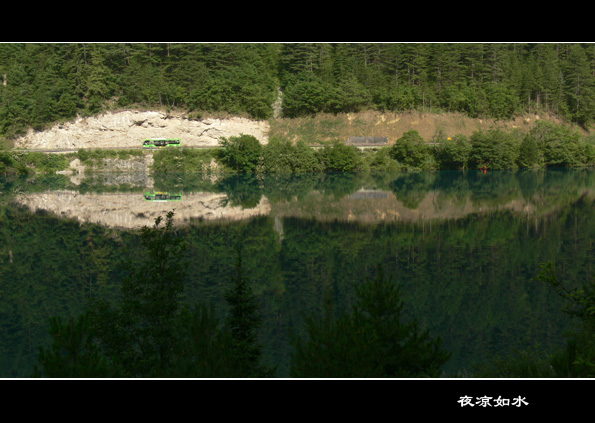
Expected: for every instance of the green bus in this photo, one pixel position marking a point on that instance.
(161, 142)
(162, 196)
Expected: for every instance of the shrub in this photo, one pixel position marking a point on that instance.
(338, 157)
(453, 153)
(495, 149)
(528, 153)
(305, 159)
(411, 150)
(241, 153)
(278, 156)
(382, 161)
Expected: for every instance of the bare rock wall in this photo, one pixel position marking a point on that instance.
(129, 128)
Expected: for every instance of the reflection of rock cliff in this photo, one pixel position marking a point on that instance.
(128, 129)
(371, 206)
(131, 210)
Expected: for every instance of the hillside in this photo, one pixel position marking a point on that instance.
(42, 83)
(328, 127)
(127, 128)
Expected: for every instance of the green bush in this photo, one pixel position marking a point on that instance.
(278, 156)
(494, 149)
(242, 153)
(411, 151)
(305, 159)
(453, 153)
(528, 153)
(381, 160)
(558, 145)
(338, 157)
(176, 160)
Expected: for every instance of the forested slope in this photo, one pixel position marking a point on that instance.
(46, 83)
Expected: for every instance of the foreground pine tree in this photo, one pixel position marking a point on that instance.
(372, 340)
(150, 333)
(242, 323)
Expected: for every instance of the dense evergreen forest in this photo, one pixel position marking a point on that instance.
(47, 82)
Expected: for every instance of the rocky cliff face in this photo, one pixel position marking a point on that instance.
(128, 129)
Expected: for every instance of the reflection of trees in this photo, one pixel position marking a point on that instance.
(493, 188)
(466, 279)
(288, 186)
(529, 182)
(411, 188)
(339, 185)
(242, 190)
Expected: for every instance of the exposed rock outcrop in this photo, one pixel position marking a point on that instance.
(129, 128)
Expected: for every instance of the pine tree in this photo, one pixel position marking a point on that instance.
(73, 352)
(372, 340)
(139, 332)
(580, 86)
(242, 323)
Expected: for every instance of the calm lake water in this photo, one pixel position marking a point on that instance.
(464, 246)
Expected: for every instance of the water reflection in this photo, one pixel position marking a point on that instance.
(463, 245)
(382, 197)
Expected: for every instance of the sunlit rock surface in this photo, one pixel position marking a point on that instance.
(129, 128)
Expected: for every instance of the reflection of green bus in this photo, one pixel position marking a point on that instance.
(161, 142)
(162, 196)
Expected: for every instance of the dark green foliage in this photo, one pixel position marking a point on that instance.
(8, 165)
(305, 159)
(559, 146)
(278, 156)
(242, 153)
(47, 83)
(202, 348)
(139, 333)
(576, 359)
(338, 157)
(149, 333)
(381, 160)
(502, 101)
(242, 323)
(372, 340)
(306, 96)
(528, 153)
(453, 153)
(528, 363)
(412, 152)
(73, 352)
(494, 149)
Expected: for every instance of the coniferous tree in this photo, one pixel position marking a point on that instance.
(373, 340)
(73, 353)
(242, 323)
(580, 86)
(139, 332)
